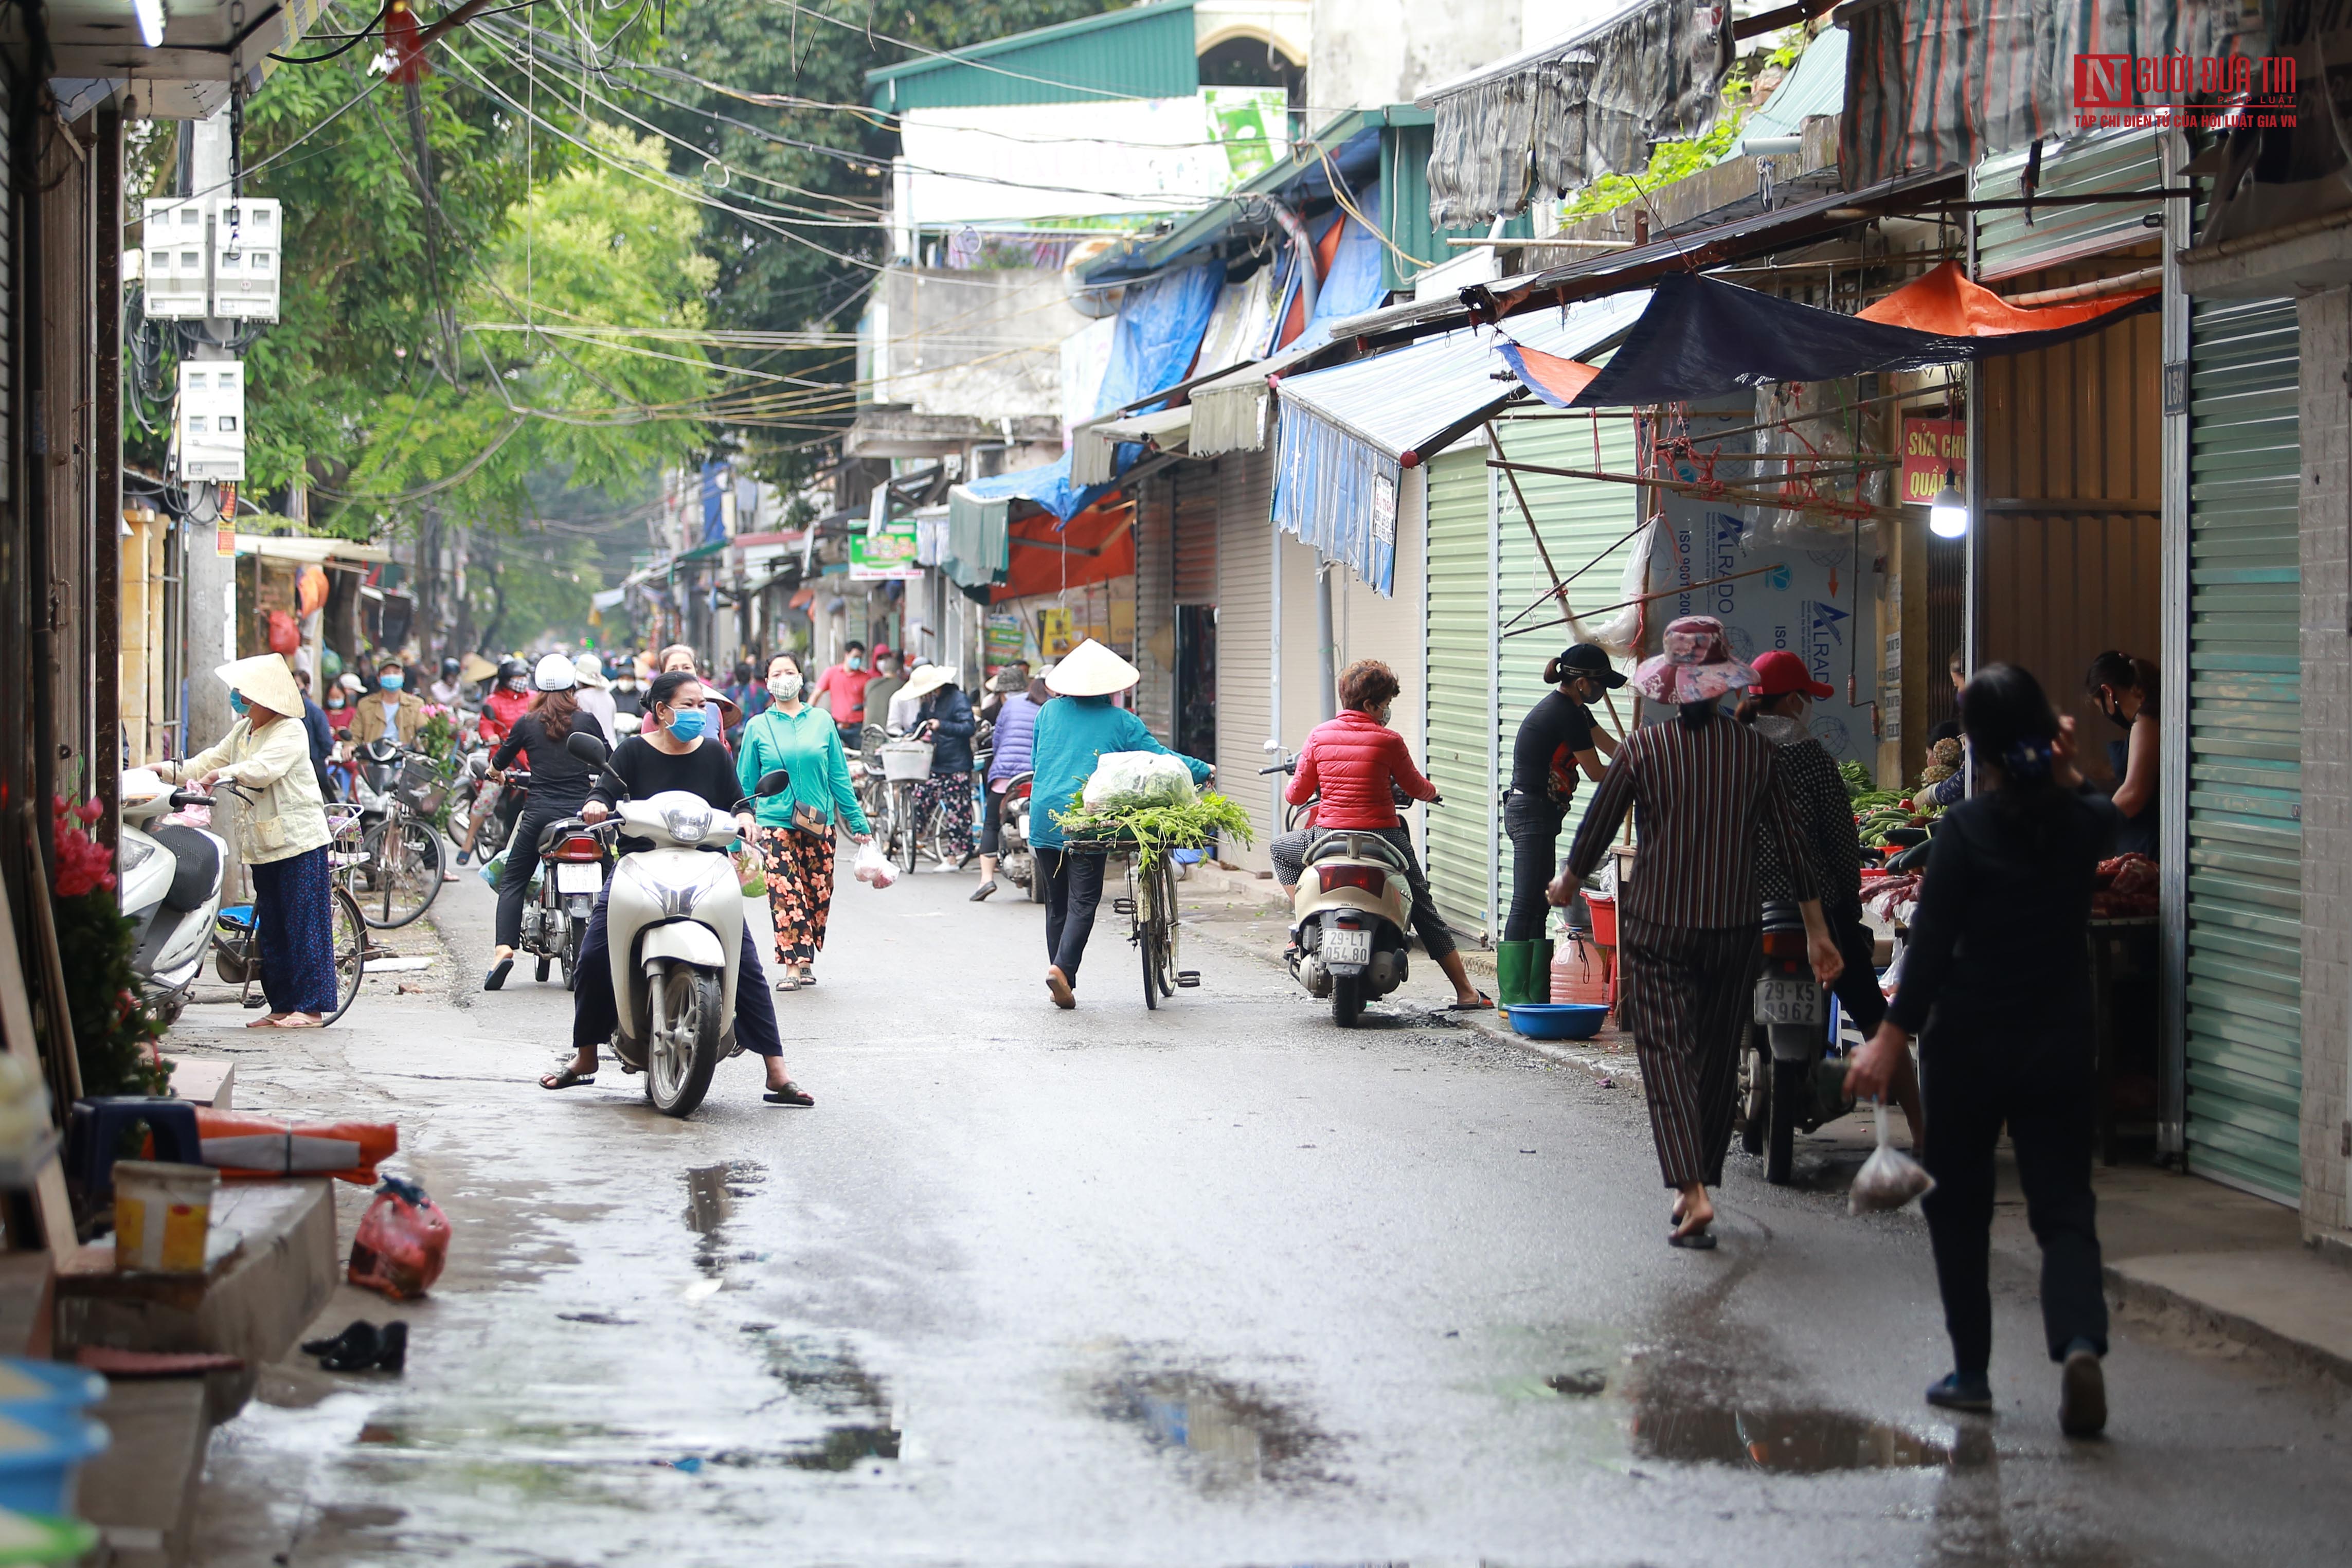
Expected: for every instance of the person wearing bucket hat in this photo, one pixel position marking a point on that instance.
(281, 834)
(1689, 917)
(1072, 732)
(596, 695)
(1557, 740)
(1777, 706)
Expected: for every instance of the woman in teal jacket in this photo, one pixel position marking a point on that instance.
(796, 828)
(1075, 729)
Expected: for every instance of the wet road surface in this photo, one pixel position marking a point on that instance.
(1217, 1284)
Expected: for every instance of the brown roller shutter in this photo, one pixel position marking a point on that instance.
(1155, 612)
(1196, 533)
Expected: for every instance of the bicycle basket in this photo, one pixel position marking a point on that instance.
(904, 761)
(426, 783)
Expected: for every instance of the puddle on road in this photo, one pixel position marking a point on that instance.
(1787, 1442)
(1233, 1435)
(826, 1377)
(711, 1192)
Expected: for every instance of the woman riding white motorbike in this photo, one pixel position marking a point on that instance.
(671, 753)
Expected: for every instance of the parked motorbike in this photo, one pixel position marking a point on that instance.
(1013, 856)
(572, 864)
(1795, 1062)
(675, 920)
(170, 889)
(1350, 916)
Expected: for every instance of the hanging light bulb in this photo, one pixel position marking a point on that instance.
(150, 17)
(1947, 514)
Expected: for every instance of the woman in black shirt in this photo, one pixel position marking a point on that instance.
(674, 751)
(1998, 974)
(559, 786)
(1556, 739)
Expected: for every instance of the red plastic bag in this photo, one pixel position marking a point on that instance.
(284, 636)
(402, 1243)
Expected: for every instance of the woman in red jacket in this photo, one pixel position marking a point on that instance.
(1352, 761)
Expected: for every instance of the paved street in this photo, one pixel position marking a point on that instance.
(1218, 1285)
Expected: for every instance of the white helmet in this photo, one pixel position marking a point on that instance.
(555, 673)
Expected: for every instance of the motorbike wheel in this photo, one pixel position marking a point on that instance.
(1347, 1000)
(572, 954)
(1755, 1098)
(1788, 1087)
(682, 1038)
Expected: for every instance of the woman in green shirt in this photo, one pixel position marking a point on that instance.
(796, 828)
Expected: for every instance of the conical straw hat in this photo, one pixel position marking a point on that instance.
(266, 682)
(1091, 670)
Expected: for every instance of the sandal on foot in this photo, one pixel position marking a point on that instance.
(268, 1022)
(790, 1094)
(980, 893)
(1483, 1004)
(808, 975)
(497, 977)
(1059, 985)
(1694, 1240)
(788, 981)
(565, 1076)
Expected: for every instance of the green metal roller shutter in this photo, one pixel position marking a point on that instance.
(2244, 1015)
(1460, 673)
(1581, 519)
(2117, 160)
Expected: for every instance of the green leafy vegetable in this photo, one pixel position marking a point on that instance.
(1157, 828)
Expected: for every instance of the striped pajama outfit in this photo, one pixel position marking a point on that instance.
(1700, 793)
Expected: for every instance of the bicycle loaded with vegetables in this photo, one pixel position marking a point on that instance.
(672, 753)
(1557, 740)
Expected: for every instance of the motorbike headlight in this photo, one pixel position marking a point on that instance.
(135, 854)
(687, 827)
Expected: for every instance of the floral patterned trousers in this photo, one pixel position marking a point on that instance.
(951, 794)
(800, 889)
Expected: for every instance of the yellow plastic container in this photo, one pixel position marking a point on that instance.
(163, 1216)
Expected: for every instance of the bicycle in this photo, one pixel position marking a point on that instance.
(1154, 916)
(236, 951)
(397, 874)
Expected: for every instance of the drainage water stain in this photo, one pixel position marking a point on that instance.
(828, 1377)
(1789, 1442)
(1235, 1435)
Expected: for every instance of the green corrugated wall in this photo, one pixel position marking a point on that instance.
(1139, 53)
(1404, 206)
(1484, 569)
(2244, 1022)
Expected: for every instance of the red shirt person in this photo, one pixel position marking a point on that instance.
(842, 688)
(1352, 761)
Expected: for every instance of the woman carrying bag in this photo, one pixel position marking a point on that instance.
(944, 718)
(796, 828)
(281, 834)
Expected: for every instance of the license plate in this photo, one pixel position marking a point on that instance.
(1341, 946)
(1787, 1002)
(579, 876)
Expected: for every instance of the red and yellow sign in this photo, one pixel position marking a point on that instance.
(1933, 448)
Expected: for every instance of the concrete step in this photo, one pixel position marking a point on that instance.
(141, 1493)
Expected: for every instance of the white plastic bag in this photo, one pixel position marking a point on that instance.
(1889, 1179)
(1128, 780)
(874, 867)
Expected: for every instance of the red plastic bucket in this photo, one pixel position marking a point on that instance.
(1604, 918)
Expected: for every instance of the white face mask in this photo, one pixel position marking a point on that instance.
(784, 688)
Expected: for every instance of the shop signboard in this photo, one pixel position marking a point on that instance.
(1057, 631)
(1005, 637)
(886, 555)
(1804, 597)
(1935, 451)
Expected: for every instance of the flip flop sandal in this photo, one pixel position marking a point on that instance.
(808, 975)
(564, 1078)
(270, 1022)
(497, 979)
(1483, 1004)
(296, 1021)
(788, 981)
(790, 1094)
(1697, 1242)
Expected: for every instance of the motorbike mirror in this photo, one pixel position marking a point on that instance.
(586, 748)
(774, 781)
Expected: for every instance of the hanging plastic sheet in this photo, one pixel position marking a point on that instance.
(1703, 338)
(1352, 284)
(1159, 328)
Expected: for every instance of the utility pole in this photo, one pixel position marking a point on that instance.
(212, 576)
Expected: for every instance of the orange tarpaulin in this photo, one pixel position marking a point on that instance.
(1947, 304)
(1096, 546)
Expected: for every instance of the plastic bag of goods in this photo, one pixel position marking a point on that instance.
(1889, 1179)
(1130, 780)
(402, 1242)
(874, 867)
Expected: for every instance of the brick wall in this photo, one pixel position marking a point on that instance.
(2326, 319)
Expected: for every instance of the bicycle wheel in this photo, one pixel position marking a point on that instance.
(402, 875)
(1152, 934)
(906, 833)
(351, 952)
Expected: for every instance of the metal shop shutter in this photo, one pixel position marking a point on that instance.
(1458, 654)
(2115, 160)
(1155, 608)
(1582, 520)
(1196, 533)
(2244, 1013)
(1244, 642)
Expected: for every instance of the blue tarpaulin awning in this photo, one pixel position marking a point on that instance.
(1346, 435)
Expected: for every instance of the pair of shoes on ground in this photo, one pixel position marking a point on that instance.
(363, 1347)
(2081, 1393)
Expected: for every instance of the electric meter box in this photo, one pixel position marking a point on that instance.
(178, 265)
(245, 257)
(209, 429)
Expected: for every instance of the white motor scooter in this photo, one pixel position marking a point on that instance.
(1351, 917)
(674, 918)
(169, 889)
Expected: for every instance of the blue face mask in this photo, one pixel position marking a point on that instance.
(393, 680)
(237, 701)
(685, 724)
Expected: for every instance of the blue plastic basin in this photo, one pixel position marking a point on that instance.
(1557, 1020)
(60, 1383)
(39, 1477)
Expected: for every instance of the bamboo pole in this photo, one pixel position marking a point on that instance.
(1663, 593)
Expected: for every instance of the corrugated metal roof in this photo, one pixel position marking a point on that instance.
(1143, 51)
(1405, 200)
(1408, 400)
(1815, 85)
(2110, 162)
